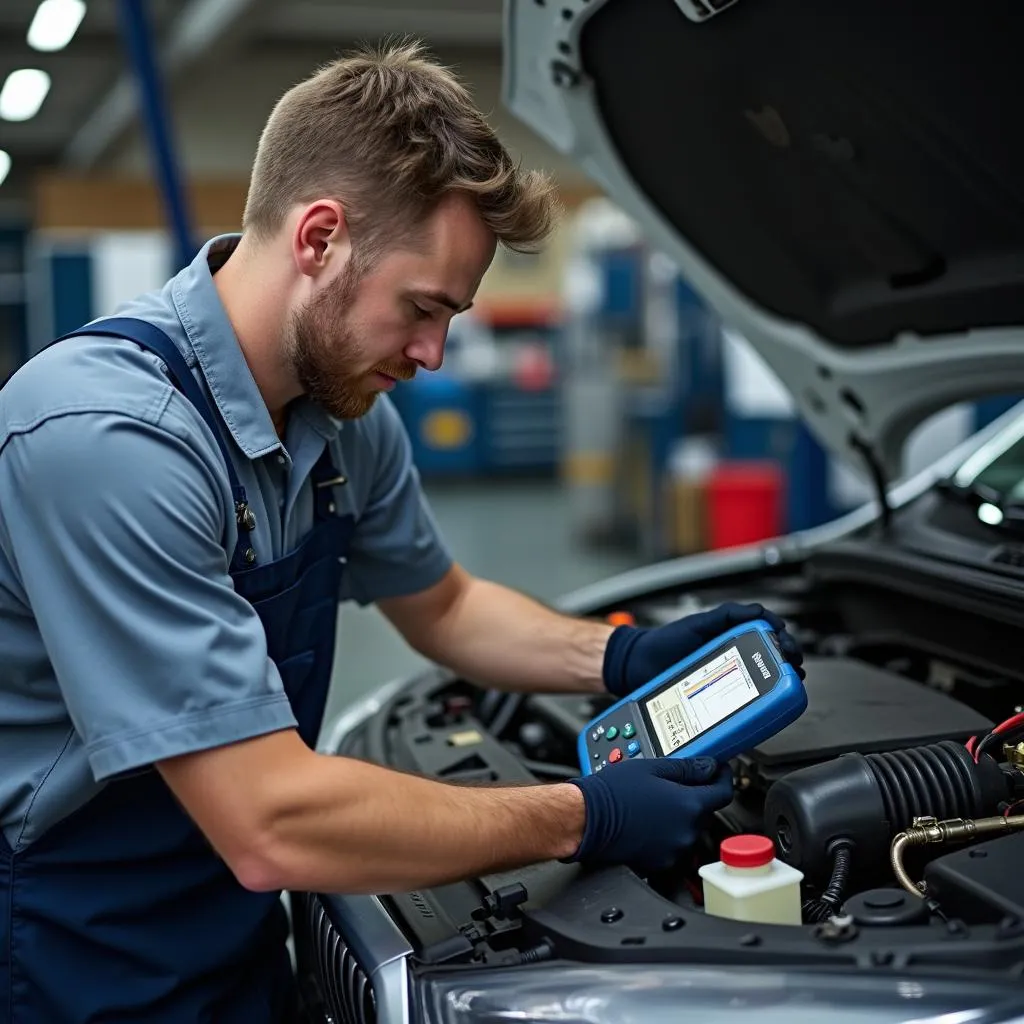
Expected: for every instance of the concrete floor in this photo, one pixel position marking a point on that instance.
(517, 533)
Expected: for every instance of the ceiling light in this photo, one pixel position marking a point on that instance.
(23, 94)
(990, 514)
(55, 24)
(5, 164)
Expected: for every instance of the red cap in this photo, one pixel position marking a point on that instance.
(747, 851)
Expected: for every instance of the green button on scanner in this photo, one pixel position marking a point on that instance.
(611, 732)
(628, 730)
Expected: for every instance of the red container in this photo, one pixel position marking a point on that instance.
(744, 503)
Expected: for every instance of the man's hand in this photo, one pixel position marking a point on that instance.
(634, 656)
(646, 813)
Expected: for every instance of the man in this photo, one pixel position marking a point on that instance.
(188, 490)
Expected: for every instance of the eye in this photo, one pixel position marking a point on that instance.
(420, 313)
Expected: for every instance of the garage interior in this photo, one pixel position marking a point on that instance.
(82, 174)
(597, 421)
(593, 414)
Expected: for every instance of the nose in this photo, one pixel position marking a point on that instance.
(427, 348)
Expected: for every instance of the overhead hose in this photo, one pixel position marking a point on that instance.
(828, 903)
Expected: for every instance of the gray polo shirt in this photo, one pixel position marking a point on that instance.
(122, 640)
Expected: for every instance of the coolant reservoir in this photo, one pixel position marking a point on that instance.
(750, 884)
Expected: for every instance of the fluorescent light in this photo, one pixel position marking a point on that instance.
(55, 24)
(992, 515)
(23, 94)
(5, 164)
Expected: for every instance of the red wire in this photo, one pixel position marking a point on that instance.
(1010, 723)
(1007, 726)
(1006, 813)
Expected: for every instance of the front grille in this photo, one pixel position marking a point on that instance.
(343, 984)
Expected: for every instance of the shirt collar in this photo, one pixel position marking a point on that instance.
(216, 347)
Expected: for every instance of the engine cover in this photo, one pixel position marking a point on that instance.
(983, 883)
(854, 706)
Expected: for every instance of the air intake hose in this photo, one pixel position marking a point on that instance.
(865, 799)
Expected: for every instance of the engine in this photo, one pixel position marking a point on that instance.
(903, 758)
(894, 794)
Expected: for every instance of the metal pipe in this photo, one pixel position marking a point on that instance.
(137, 39)
(896, 857)
(929, 830)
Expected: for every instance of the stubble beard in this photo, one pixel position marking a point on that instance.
(324, 351)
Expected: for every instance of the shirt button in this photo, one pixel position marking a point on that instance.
(250, 556)
(281, 460)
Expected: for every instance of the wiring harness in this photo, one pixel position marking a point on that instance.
(1010, 731)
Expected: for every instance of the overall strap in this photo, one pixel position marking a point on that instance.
(325, 476)
(150, 337)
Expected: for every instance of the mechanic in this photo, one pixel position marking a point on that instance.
(185, 501)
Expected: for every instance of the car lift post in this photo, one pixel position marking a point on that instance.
(138, 43)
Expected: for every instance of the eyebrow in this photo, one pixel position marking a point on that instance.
(443, 299)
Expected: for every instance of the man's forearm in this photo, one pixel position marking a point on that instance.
(500, 638)
(356, 828)
(284, 817)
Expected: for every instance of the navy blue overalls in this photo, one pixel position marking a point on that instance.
(122, 911)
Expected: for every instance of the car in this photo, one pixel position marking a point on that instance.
(841, 183)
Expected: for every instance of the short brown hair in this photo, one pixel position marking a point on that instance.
(390, 132)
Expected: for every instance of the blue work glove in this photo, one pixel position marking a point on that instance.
(636, 655)
(645, 814)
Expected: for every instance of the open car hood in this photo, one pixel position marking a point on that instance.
(843, 182)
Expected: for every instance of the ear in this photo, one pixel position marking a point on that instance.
(321, 240)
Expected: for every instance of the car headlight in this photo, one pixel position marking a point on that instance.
(668, 995)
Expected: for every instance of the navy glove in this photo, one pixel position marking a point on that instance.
(634, 655)
(646, 813)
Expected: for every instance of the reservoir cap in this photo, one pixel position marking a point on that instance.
(747, 851)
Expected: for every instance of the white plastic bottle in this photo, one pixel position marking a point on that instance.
(750, 884)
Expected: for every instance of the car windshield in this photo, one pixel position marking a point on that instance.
(998, 466)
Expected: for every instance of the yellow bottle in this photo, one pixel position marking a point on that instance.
(750, 884)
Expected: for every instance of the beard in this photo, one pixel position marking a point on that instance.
(325, 353)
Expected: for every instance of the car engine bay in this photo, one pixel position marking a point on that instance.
(893, 793)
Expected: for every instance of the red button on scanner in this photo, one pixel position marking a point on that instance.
(747, 851)
(615, 755)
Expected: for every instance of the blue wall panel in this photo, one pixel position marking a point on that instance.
(71, 284)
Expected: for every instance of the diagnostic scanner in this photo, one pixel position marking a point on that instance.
(724, 699)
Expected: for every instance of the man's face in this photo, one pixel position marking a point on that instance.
(363, 332)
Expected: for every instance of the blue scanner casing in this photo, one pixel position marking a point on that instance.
(744, 666)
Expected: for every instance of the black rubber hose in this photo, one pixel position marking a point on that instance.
(867, 798)
(933, 780)
(828, 903)
(836, 887)
(535, 954)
